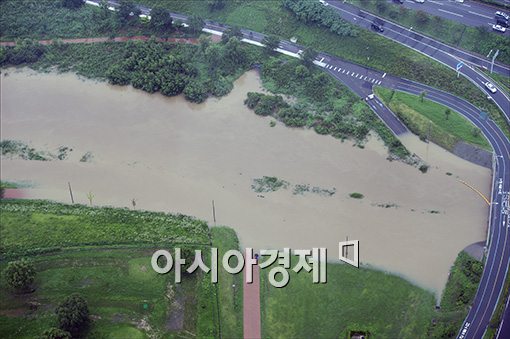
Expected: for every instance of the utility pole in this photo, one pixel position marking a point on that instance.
(70, 192)
(214, 213)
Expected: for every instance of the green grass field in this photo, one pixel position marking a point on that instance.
(104, 254)
(428, 117)
(352, 299)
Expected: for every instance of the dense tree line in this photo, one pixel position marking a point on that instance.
(313, 12)
(172, 70)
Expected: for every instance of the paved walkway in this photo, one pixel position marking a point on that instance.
(105, 39)
(251, 306)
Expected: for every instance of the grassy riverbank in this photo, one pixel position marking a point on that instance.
(458, 294)
(432, 120)
(352, 300)
(104, 254)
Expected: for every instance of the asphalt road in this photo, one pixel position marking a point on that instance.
(469, 13)
(360, 80)
(440, 52)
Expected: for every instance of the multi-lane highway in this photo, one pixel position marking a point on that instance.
(361, 81)
(440, 52)
(469, 13)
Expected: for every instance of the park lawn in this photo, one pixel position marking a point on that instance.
(428, 116)
(30, 227)
(385, 305)
(230, 286)
(116, 285)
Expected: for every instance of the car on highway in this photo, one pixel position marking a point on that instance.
(323, 2)
(499, 28)
(491, 87)
(419, 1)
(377, 26)
(502, 15)
(502, 22)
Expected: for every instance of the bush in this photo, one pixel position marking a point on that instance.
(55, 333)
(356, 195)
(73, 314)
(20, 274)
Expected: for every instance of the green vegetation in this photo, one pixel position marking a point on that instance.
(19, 275)
(352, 299)
(268, 184)
(73, 314)
(431, 120)
(356, 195)
(105, 256)
(497, 317)
(40, 227)
(476, 39)
(230, 285)
(458, 294)
(18, 149)
(366, 48)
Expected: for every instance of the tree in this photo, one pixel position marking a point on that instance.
(231, 32)
(20, 274)
(196, 24)
(161, 21)
(423, 95)
(422, 18)
(308, 56)
(382, 6)
(447, 113)
(216, 4)
(301, 72)
(195, 91)
(72, 4)
(476, 132)
(56, 333)
(271, 42)
(127, 12)
(73, 314)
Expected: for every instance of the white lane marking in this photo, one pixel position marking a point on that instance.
(379, 82)
(373, 80)
(339, 69)
(347, 73)
(384, 75)
(335, 69)
(484, 16)
(343, 71)
(435, 2)
(457, 14)
(365, 78)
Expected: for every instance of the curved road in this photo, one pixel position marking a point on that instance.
(361, 80)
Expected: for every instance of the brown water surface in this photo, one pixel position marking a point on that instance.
(174, 156)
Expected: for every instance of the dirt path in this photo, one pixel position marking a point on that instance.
(251, 306)
(106, 39)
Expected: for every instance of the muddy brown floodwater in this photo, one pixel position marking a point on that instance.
(174, 156)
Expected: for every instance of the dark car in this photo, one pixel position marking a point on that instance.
(502, 22)
(377, 26)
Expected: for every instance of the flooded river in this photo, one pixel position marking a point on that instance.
(170, 155)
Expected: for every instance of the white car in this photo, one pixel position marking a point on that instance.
(419, 1)
(499, 28)
(491, 87)
(323, 2)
